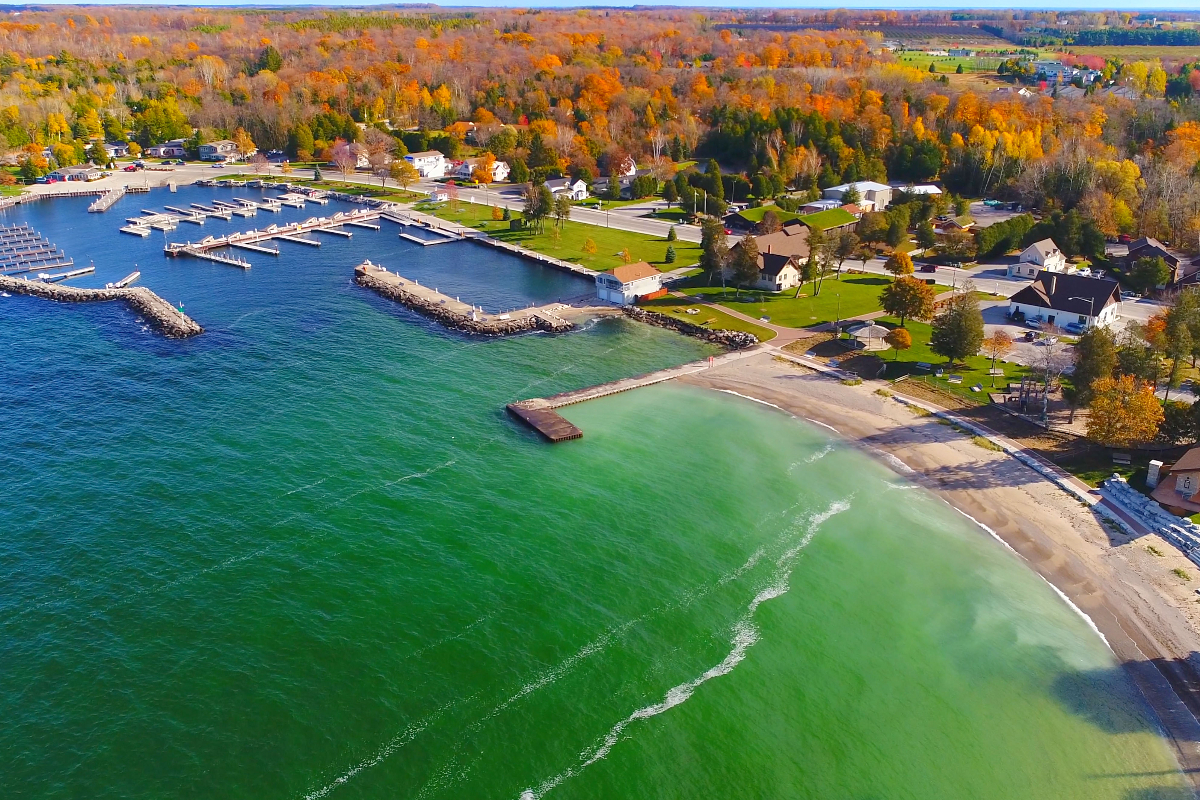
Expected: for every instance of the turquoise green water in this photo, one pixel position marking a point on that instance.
(306, 555)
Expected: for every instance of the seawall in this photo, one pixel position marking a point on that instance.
(161, 314)
(451, 312)
(735, 340)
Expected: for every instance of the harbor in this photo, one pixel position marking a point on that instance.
(452, 312)
(23, 250)
(253, 239)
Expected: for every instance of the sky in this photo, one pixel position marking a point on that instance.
(1158, 5)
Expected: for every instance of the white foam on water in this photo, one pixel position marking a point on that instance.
(309, 486)
(744, 635)
(756, 400)
(817, 456)
(391, 746)
(1088, 620)
(823, 425)
(892, 461)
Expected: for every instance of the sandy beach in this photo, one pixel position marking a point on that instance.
(1147, 614)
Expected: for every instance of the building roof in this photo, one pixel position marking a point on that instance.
(217, 143)
(791, 240)
(862, 186)
(1045, 248)
(1188, 461)
(426, 154)
(829, 218)
(561, 183)
(1147, 241)
(1060, 292)
(628, 273)
(773, 263)
(924, 188)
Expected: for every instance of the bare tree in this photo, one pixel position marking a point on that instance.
(344, 158)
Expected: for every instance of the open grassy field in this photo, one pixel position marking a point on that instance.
(1139, 52)
(707, 316)
(851, 296)
(610, 242)
(975, 371)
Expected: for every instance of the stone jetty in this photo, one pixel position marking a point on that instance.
(735, 340)
(161, 314)
(454, 313)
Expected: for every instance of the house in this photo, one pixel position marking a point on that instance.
(171, 149)
(220, 150)
(878, 193)
(428, 163)
(946, 224)
(116, 149)
(574, 189)
(831, 219)
(1149, 247)
(1059, 299)
(779, 257)
(84, 172)
(625, 284)
(465, 169)
(1177, 488)
(1039, 256)
(439, 195)
(961, 52)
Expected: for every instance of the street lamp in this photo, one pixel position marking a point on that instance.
(1091, 301)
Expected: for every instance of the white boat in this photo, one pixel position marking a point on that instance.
(5, 294)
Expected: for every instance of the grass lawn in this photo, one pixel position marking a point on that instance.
(610, 242)
(676, 215)
(7, 191)
(852, 295)
(975, 371)
(755, 215)
(708, 316)
(603, 203)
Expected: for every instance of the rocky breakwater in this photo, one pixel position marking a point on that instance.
(452, 312)
(734, 340)
(158, 312)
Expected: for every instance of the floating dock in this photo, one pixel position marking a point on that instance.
(105, 201)
(22, 249)
(63, 276)
(299, 240)
(291, 233)
(128, 279)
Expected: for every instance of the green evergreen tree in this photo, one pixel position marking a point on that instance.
(670, 256)
(672, 235)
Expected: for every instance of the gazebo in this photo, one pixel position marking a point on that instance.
(870, 336)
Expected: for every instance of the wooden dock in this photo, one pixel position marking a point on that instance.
(546, 421)
(290, 233)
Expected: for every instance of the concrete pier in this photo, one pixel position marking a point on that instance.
(161, 314)
(454, 313)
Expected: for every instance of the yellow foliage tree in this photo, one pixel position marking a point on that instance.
(898, 264)
(1123, 412)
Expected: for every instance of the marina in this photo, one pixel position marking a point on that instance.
(23, 249)
(105, 201)
(252, 240)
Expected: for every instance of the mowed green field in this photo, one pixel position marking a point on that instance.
(1139, 52)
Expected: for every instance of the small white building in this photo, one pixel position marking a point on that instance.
(429, 163)
(878, 193)
(465, 169)
(921, 189)
(439, 195)
(1039, 256)
(576, 190)
(1059, 299)
(116, 149)
(623, 285)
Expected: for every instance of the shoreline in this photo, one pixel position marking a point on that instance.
(1109, 578)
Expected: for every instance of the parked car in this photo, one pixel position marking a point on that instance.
(1031, 336)
(1074, 327)
(130, 168)
(1130, 295)
(1124, 238)
(1033, 323)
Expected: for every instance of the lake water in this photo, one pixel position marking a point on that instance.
(307, 555)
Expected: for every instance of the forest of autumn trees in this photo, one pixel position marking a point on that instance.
(573, 91)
